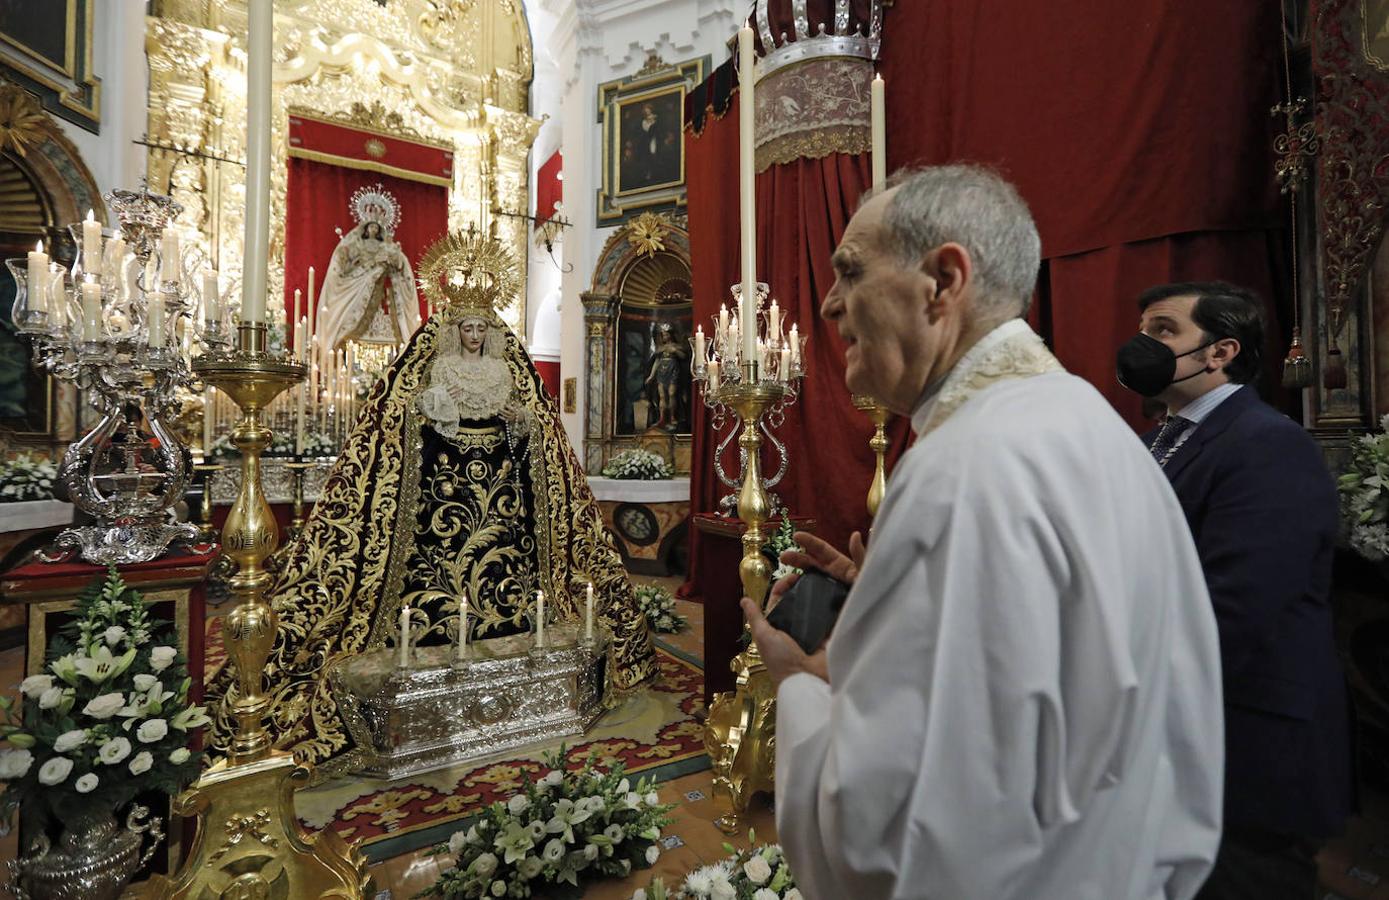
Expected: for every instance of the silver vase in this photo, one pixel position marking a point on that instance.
(93, 860)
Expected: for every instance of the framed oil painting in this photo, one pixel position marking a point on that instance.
(643, 139)
(46, 46)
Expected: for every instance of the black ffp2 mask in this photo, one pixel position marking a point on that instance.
(1146, 365)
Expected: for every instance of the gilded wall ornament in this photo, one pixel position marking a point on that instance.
(21, 119)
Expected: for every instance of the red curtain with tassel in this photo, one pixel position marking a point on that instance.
(810, 201)
(317, 203)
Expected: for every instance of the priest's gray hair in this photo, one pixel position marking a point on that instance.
(976, 208)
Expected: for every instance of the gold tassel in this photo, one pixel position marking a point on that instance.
(1334, 378)
(1297, 368)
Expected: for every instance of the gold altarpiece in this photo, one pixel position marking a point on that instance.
(454, 73)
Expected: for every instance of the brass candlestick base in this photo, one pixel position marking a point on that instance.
(878, 415)
(296, 522)
(741, 729)
(249, 842)
(207, 532)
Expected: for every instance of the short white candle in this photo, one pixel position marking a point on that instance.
(795, 344)
(91, 310)
(404, 644)
(784, 372)
(91, 245)
(588, 613)
(713, 374)
(211, 296)
(38, 278)
(169, 269)
(155, 335)
(774, 321)
(723, 319)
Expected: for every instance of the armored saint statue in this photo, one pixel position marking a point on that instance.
(368, 293)
(457, 479)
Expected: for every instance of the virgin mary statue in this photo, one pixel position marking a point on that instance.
(456, 479)
(369, 291)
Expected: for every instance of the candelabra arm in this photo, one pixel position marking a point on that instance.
(878, 415)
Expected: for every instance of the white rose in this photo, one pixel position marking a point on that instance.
(757, 870)
(639, 894)
(114, 635)
(765, 894)
(144, 682)
(653, 799)
(457, 841)
(499, 888)
(613, 833)
(720, 889)
(179, 756)
(152, 730)
(50, 698)
(113, 751)
(554, 850)
(34, 686)
(653, 853)
(793, 894)
(55, 771)
(141, 763)
(87, 783)
(485, 864)
(162, 657)
(518, 804)
(553, 779)
(14, 764)
(70, 740)
(105, 706)
(530, 867)
(590, 852)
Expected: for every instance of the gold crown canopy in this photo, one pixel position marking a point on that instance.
(469, 272)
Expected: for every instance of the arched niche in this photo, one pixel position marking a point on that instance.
(44, 186)
(638, 319)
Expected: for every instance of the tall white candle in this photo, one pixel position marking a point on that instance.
(301, 393)
(155, 335)
(38, 278)
(169, 268)
(259, 49)
(91, 310)
(211, 309)
(878, 123)
(723, 319)
(747, 184)
(403, 659)
(774, 322)
(461, 646)
(540, 618)
(91, 245)
(311, 301)
(588, 613)
(699, 346)
(795, 345)
(785, 371)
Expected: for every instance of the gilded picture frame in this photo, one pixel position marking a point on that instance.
(47, 47)
(642, 118)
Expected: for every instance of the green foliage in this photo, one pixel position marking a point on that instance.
(1364, 492)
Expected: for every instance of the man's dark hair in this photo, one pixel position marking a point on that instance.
(1222, 310)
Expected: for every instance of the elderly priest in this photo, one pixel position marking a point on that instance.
(1021, 698)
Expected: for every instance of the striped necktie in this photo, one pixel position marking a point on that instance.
(1166, 442)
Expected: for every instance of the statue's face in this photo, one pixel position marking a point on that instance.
(373, 231)
(471, 332)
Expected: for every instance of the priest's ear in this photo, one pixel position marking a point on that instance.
(951, 272)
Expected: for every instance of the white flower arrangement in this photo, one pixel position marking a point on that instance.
(638, 465)
(27, 477)
(108, 719)
(566, 826)
(316, 444)
(658, 605)
(759, 873)
(783, 539)
(1365, 494)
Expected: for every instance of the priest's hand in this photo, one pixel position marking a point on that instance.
(817, 553)
(782, 656)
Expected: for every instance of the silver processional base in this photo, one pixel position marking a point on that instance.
(442, 712)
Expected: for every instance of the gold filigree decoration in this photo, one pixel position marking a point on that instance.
(22, 120)
(653, 64)
(375, 149)
(239, 827)
(374, 117)
(470, 272)
(647, 233)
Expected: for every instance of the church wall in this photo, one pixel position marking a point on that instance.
(118, 58)
(596, 41)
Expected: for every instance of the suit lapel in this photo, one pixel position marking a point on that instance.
(1220, 418)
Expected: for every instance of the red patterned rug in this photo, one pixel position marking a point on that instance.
(654, 732)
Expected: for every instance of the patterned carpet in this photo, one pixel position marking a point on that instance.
(654, 732)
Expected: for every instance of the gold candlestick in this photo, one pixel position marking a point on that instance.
(878, 415)
(742, 723)
(250, 792)
(206, 532)
(296, 522)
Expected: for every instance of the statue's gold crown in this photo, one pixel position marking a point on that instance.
(469, 271)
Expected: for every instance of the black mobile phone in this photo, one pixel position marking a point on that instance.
(809, 609)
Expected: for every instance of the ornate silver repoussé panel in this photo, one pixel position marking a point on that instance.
(440, 713)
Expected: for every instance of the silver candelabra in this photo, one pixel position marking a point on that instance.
(120, 324)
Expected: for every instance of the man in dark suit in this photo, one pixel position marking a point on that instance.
(1263, 510)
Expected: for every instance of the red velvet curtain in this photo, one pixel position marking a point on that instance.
(317, 203)
(1138, 133)
(810, 202)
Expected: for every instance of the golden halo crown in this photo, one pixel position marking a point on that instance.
(375, 204)
(469, 271)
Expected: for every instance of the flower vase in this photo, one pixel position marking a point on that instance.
(94, 859)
